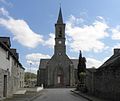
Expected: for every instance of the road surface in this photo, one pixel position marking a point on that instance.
(63, 94)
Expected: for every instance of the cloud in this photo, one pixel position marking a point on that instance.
(6, 3)
(75, 21)
(4, 12)
(22, 33)
(31, 69)
(71, 57)
(116, 33)
(100, 18)
(91, 62)
(116, 36)
(50, 42)
(87, 37)
(34, 58)
(81, 36)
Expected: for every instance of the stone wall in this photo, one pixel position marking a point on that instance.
(89, 81)
(60, 64)
(42, 73)
(107, 84)
(75, 75)
(41, 77)
(2, 73)
(14, 76)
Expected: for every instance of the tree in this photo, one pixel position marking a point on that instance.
(29, 76)
(81, 73)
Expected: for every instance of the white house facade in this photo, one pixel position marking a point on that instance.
(10, 69)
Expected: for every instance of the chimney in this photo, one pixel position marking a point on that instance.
(14, 51)
(6, 41)
(116, 51)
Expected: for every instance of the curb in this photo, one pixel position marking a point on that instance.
(82, 95)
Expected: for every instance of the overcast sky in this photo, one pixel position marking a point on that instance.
(92, 26)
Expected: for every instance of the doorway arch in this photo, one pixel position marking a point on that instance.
(58, 77)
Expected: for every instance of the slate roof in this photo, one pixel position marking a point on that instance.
(60, 18)
(113, 61)
(43, 63)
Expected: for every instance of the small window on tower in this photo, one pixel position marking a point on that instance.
(60, 32)
(60, 35)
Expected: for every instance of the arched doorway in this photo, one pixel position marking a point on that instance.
(58, 77)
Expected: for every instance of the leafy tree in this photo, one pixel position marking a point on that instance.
(29, 76)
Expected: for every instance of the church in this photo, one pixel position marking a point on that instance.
(60, 70)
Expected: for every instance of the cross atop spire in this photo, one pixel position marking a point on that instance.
(60, 19)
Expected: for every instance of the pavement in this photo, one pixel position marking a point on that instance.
(59, 94)
(56, 94)
(88, 97)
(28, 94)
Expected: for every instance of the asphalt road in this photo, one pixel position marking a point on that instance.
(63, 94)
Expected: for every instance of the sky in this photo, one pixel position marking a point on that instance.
(92, 26)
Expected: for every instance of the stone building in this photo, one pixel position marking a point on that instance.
(4, 85)
(10, 69)
(104, 82)
(60, 70)
(90, 79)
(21, 74)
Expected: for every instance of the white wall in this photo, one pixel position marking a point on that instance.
(14, 72)
(21, 76)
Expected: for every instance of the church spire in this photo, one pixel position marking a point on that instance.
(80, 56)
(60, 18)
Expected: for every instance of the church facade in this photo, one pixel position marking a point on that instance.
(60, 70)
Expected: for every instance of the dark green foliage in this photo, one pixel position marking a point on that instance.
(29, 75)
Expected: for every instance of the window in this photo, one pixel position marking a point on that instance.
(60, 35)
(60, 32)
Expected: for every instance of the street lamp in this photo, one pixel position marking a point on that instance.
(30, 74)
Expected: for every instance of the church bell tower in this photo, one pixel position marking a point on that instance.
(60, 48)
(59, 70)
